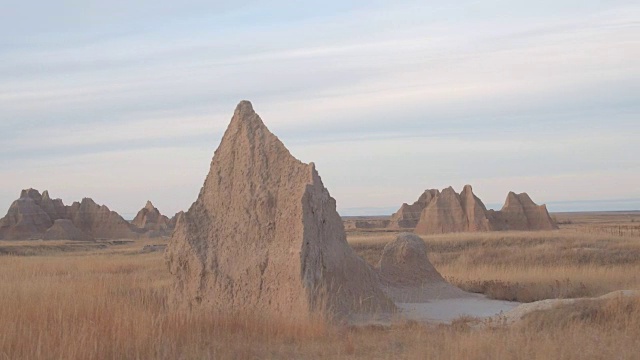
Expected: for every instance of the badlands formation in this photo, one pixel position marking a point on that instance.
(264, 235)
(152, 223)
(37, 216)
(438, 212)
(149, 218)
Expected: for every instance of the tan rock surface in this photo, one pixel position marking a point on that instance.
(174, 220)
(63, 229)
(444, 214)
(264, 235)
(98, 221)
(521, 213)
(53, 207)
(150, 218)
(408, 276)
(25, 218)
(474, 210)
(448, 211)
(407, 216)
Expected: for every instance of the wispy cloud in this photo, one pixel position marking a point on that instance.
(529, 89)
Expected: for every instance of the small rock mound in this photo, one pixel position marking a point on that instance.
(64, 229)
(404, 262)
(409, 277)
(264, 235)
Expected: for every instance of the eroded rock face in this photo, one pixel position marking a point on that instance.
(407, 216)
(407, 274)
(474, 211)
(53, 207)
(264, 235)
(63, 229)
(98, 221)
(150, 218)
(448, 211)
(404, 262)
(33, 214)
(521, 213)
(174, 220)
(25, 218)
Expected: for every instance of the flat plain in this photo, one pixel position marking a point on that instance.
(108, 300)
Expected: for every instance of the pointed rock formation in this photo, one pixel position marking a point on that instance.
(264, 235)
(149, 218)
(443, 215)
(407, 216)
(33, 214)
(407, 273)
(174, 220)
(25, 218)
(474, 210)
(448, 211)
(98, 221)
(452, 212)
(63, 229)
(54, 208)
(521, 213)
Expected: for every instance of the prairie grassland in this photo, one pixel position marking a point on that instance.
(621, 223)
(111, 304)
(526, 266)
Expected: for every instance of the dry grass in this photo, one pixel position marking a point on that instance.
(111, 304)
(527, 266)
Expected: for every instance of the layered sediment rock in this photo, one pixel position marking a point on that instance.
(25, 218)
(521, 213)
(149, 218)
(34, 214)
(264, 235)
(63, 229)
(448, 211)
(408, 276)
(98, 221)
(407, 216)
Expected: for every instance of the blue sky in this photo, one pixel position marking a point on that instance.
(126, 102)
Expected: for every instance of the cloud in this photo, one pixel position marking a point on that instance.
(397, 92)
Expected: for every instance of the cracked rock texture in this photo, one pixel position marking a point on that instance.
(264, 235)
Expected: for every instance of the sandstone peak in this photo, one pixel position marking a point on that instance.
(31, 194)
(521, 213)
(150, 220)
(448, 211)
(408, 215)
(34, 214)
(264, 234)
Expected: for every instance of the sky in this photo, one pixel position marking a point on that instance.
(126, 102)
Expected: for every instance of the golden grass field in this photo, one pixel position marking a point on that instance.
(105, 301)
